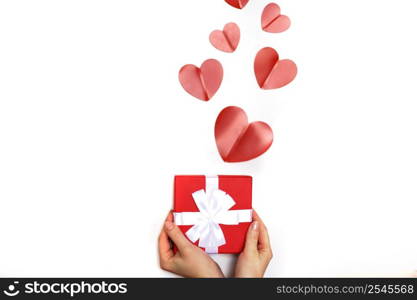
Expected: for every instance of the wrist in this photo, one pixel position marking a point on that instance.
(214, 272)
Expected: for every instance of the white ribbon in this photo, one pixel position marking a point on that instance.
(213, 205)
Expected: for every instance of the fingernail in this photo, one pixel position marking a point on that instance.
(255, 225)
(169, 225)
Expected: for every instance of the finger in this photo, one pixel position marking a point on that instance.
(170, 217)
(164, 245)
(252, 236)
(256, 217)
(264, 243)
(176, 235)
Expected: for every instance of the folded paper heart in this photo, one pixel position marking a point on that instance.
(237, 140)
(272, 20)
(271, 72)
(226, 40)
(237, 3)
(202, 82)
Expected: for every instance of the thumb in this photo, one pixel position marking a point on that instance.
(252, 237)
(176, 235)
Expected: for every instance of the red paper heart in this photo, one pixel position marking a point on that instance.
(202, 82)
(273, 21)
(237, 3)
(237, 140)
(226, 40)
(272, 73)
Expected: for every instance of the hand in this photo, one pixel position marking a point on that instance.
(189, 261)
(257, 254)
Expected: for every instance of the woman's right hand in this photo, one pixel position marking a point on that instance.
(257, 254)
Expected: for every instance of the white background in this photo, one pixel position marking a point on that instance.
(94, 125)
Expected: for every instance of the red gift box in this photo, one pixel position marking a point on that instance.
(208, 208)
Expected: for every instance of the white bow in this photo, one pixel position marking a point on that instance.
(213, 209)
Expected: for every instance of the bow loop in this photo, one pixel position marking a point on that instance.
(214, 209)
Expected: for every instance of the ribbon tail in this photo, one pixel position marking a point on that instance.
(212, 236)
(194, 233)
(212, 250)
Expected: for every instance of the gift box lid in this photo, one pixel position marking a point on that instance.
(239, 187)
